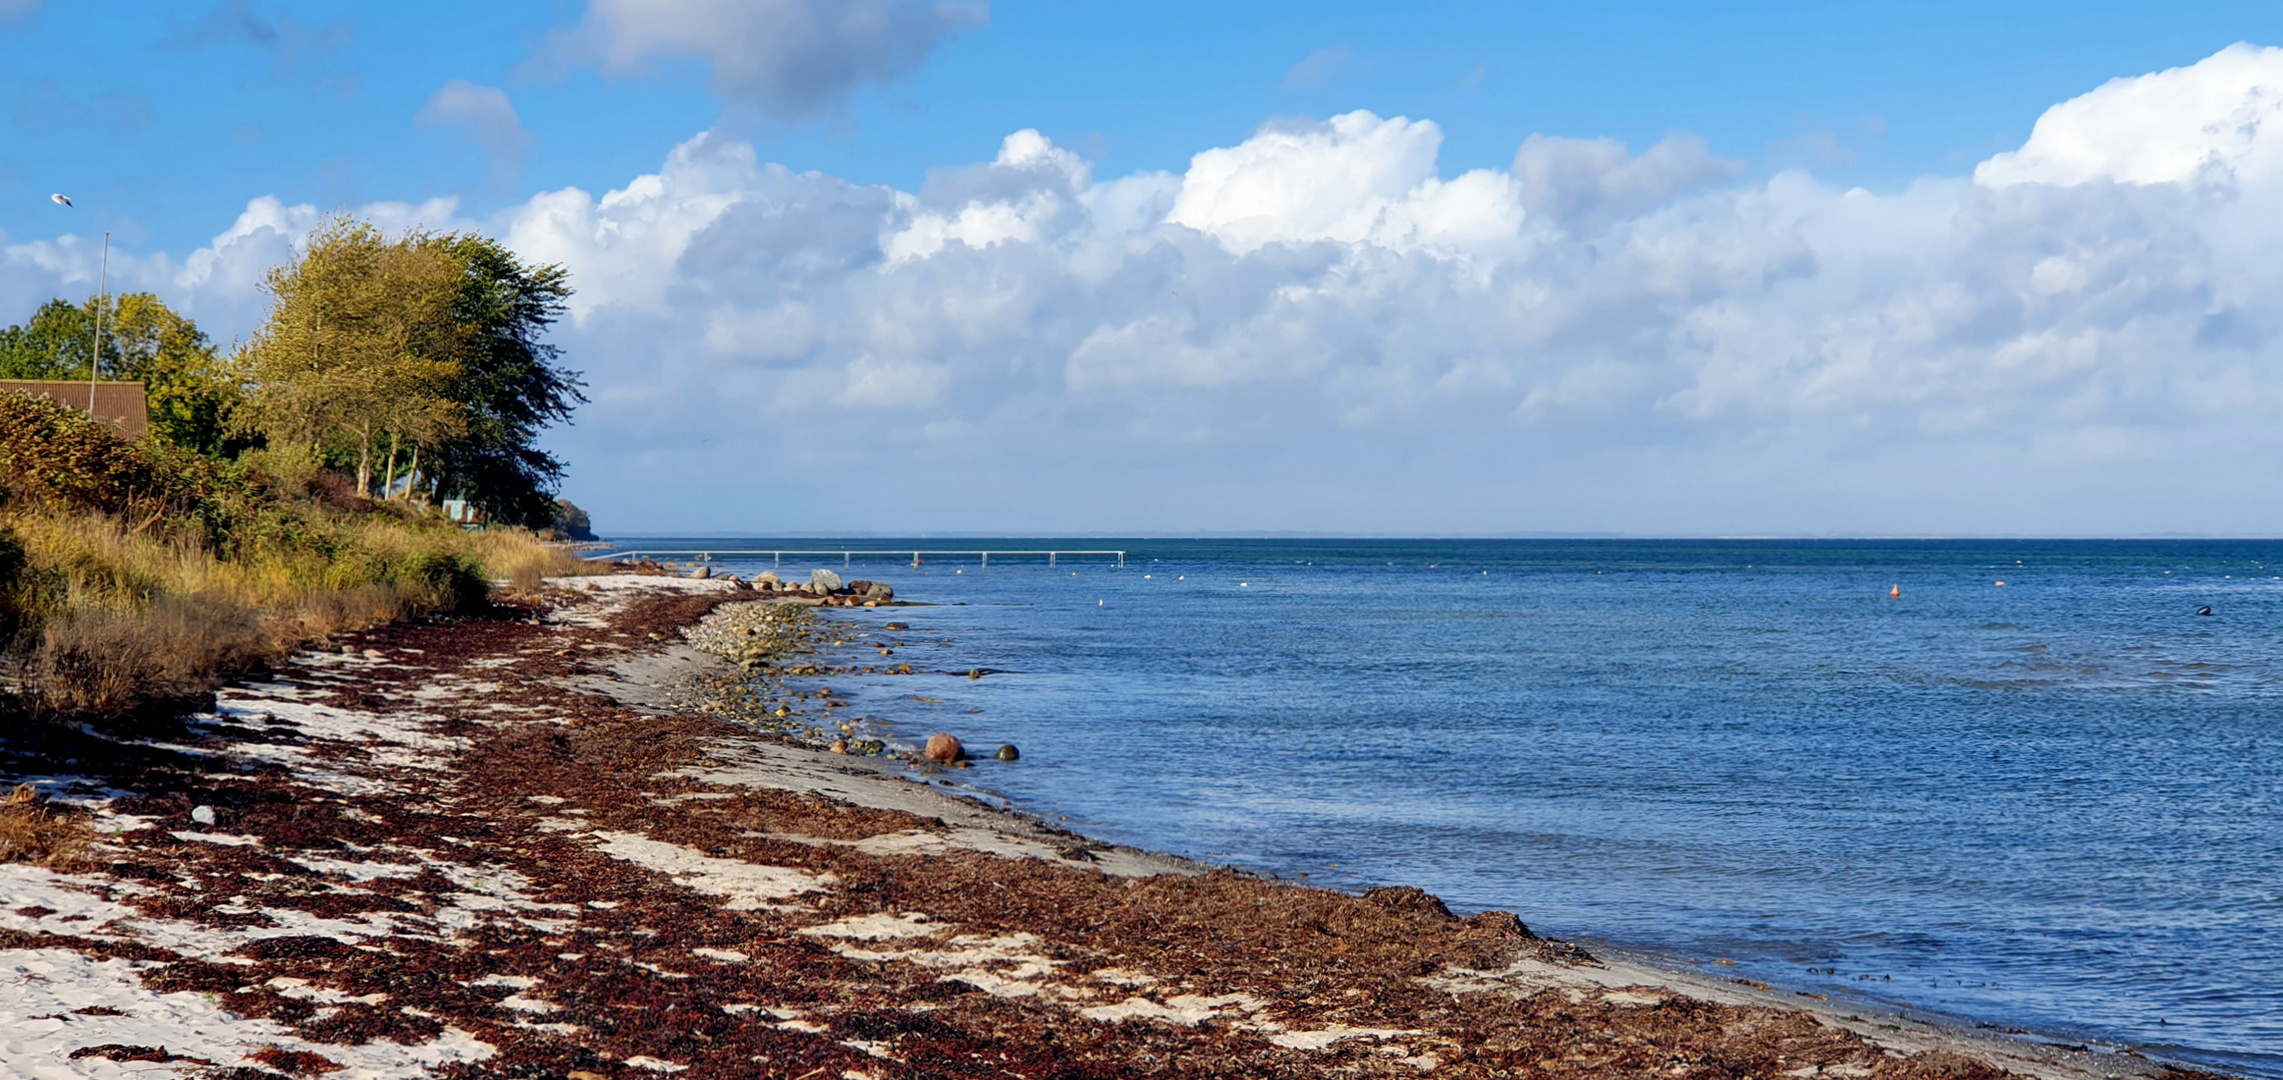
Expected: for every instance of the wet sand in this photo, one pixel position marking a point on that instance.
(506, 847)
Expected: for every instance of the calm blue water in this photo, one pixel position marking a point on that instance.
(2056, 805)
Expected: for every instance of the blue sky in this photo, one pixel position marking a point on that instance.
(1821, 278)
(163, 118)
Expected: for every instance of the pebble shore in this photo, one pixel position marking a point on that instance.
(768, 641)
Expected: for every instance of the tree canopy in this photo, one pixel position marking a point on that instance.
(360, 350)
(53, 344)
(426, 348)
(143, 341)
(511, 383)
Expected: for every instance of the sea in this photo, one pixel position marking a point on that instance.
(2024, 784)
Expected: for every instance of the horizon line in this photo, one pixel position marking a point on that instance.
(1264, 534)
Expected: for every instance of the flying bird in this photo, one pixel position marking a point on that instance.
(60, 200)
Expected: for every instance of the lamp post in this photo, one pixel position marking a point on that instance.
(102, 300)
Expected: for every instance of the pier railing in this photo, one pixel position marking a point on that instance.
(847, 555)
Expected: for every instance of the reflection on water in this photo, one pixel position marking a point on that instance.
(2056, 804)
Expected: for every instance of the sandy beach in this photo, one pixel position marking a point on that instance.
(512, 846)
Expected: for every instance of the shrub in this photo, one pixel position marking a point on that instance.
(32, 833)
(114, 601)
(527, 580)
(447, 580)
(54, 456)
(107, 663)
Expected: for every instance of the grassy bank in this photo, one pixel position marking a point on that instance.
(134, 576)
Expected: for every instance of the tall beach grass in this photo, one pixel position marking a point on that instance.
(133, 578)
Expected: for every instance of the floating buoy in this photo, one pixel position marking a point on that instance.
(1895, 592)
(2205, 610)
(2001, 584)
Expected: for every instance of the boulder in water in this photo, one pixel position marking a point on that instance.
(942, 747)
(1007, 752)
(823, 581)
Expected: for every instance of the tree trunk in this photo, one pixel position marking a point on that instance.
(388, 478)
(364, 461)
(412, 475)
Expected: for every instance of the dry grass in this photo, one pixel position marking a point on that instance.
(132, 574)
(527, 580)
(119, 617)
(525, 562)
(30, 832)
(101, 661)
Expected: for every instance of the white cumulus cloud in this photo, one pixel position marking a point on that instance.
(2218, 120)
(1315, 328)
(1317, 309)
(1353, 179)
(219, 284)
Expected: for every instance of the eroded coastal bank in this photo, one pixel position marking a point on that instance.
(553, 842)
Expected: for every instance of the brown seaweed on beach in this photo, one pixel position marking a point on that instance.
(586, 964)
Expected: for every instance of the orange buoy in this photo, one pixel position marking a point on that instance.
(1894, 592)
(2001, 584)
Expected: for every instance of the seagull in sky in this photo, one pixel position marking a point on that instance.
(59, 200)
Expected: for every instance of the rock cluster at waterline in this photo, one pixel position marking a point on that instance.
(825, 587)
(770, 642)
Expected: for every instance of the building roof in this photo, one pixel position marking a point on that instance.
(121, 404)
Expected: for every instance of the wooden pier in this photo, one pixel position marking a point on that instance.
(847, 555)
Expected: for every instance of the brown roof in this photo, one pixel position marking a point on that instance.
(118, 403)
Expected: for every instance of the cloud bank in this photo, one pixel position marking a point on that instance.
(1315, 329)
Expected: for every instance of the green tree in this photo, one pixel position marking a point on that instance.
(427, 348)
(187, 386)
(53, 344)
(189, 392)
(511, 384)
(363, 348)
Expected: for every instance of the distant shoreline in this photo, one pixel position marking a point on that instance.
(644, 539)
